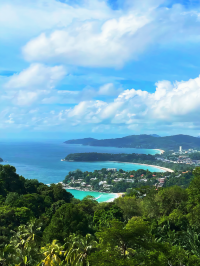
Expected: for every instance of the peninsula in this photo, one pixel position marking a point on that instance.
(143, 142)
(142, 159)
(1, 160)
(122, 157)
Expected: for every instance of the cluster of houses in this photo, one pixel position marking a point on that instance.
(181, 151)
(104, 185)
(181, 159)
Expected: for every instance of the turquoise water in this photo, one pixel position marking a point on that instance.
(42, 159)
(101, 197)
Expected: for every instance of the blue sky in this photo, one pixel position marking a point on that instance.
(99, 68)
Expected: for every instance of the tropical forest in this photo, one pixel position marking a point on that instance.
(45, 225)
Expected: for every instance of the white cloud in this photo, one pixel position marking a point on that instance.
(25, 19)
(37, 76)
(86, 94)
(109, 90)
(93, 35)
(170, 103)
(37, 84)
(32, 83)
(85, 45)
(120, 38)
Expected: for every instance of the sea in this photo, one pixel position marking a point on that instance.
(41, 159)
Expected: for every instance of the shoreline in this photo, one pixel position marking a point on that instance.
(161, 151)
(116, 195)
(159, 167)
(156, 166)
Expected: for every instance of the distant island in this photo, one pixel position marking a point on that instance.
(1, 160)
(143, 142)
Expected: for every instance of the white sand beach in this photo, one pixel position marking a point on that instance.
(161, 151)
(156, 166)
(117, 195)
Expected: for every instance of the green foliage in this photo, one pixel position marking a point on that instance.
(41, 225)
(130, 207)
(79, 248)
(195, 156)
(12, 198)
(94, 156)
(10, 219)
(59, 193)
(105, 213)
(67, 219)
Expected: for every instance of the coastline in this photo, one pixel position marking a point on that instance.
(156, 166)
(161, 151)
(116, 195)
(159, 167)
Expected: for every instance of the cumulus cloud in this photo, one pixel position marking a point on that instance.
(37, 76)
(172, 106)
(36, 81)
(178, 102)
(85, 45)
(37, 84)
(114, 41)
(25, 19)
(93, 35)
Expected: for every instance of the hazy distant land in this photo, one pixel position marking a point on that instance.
(143, 142)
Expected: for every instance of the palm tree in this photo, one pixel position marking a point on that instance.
(52, 254)
(32, 231)
(79, 249)
(6, 255)
(26, 243)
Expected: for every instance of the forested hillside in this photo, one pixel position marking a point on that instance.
(94, 156)
(41, 225)
(144, 141)
(132, 158)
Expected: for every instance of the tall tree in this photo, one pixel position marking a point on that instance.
(67, 219)
(79, 248)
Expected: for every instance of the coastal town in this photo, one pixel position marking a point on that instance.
(190, 157)
(110, 180)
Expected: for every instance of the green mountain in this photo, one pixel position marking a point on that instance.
(1, 160)
(143, 141)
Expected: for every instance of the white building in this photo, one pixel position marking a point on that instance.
(112, 169)
(102, 183)
(180, 149)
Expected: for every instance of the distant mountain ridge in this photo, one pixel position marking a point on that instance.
(143, 142)
(154, 135)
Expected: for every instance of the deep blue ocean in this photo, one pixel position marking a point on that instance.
(41, 159)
